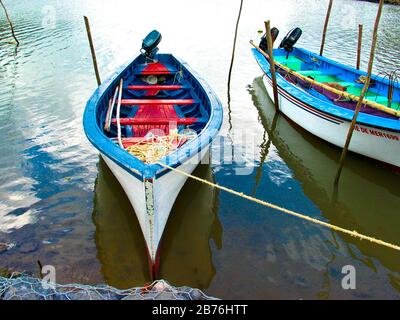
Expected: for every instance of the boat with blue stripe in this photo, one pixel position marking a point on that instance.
(320, 95)
(152, 114)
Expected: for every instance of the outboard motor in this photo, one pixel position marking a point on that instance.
(290, 40)
(264, 43)
(150, 43)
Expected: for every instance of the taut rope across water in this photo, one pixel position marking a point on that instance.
(286, 211)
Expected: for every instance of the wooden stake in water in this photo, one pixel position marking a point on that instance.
(363, 92)
(10, 23)
(328, 14)
(360, 33)
(234, 47)
(272, 64)
(89, 34)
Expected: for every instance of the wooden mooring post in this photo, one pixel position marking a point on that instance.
(234, 48)
(328, 14)
(360, 34)
(272, 64)
(89, 34)
(363, 92)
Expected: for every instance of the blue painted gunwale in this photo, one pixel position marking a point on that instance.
(125, 160)
(321, 105)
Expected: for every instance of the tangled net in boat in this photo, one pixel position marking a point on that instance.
(23, 287)
(154, 147)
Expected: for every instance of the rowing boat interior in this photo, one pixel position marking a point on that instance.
(384, 88)
(158, 98)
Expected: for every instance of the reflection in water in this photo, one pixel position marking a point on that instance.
(48, 167)
(265, 146)
(368, 198)
(186, 256)
(120, 244)
(185, 253)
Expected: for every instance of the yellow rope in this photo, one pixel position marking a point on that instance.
(290, 212)
(154, 147)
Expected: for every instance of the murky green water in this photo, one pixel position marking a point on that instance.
(61, 205)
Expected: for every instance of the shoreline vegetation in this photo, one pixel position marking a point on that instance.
(395, 2)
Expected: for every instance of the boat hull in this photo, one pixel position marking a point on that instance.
(153, 199)
(375, 143)
(180, 101)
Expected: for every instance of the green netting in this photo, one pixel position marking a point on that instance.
(24, 287)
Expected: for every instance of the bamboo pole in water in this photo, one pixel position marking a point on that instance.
(10, 23)
(89, 34)
(363, 92)
(360, 33)
(328, 14)
(343, 94)
(272, 64)
(234, 45)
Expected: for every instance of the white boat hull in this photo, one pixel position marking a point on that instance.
(153, 200)
(372, 142)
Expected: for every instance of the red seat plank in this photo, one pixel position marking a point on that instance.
(154, 121)
(155, 72)
(143, 102)
(156, 68)
(154, 87)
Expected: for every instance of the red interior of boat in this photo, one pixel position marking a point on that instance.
(155, 110)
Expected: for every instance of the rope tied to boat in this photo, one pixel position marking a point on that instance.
(155, 147)
(352, 233)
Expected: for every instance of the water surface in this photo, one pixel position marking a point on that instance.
(60, 204)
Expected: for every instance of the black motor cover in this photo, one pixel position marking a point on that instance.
(264, 44)
(151, 42)
(290, 40)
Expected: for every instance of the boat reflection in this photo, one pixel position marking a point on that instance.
(368, 197)
(186, 256)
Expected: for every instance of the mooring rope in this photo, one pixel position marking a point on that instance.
(284, 210)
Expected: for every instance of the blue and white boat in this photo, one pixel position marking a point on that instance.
(155, 97)
(328, 114)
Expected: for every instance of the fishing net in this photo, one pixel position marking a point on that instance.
(154, 147)
(23, 287)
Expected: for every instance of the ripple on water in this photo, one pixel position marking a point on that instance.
(48, 206)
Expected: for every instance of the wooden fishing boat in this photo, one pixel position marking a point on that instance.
(320, 95)
(153, 111)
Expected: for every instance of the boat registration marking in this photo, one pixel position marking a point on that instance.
(376, 133)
